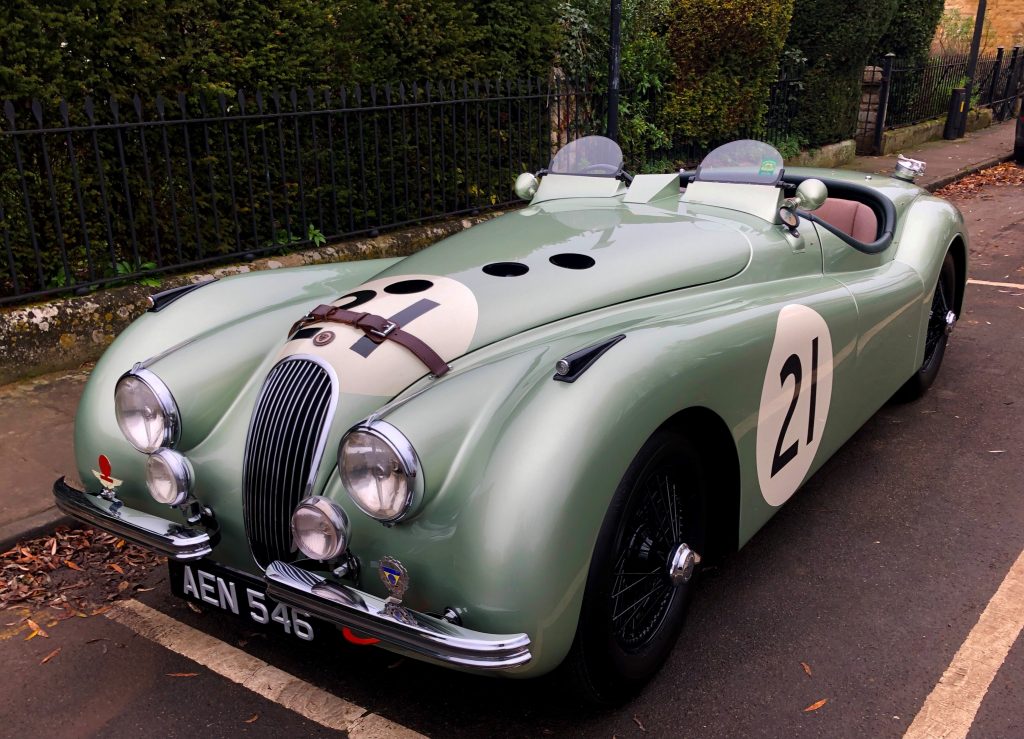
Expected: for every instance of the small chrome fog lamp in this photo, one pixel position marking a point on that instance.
(320, 529)
(169, 477)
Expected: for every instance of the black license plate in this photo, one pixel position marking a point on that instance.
(240, 594)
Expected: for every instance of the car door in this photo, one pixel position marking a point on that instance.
(886, 294)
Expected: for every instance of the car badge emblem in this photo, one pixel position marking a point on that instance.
(103, 474)
(323, 338)
(394, 576)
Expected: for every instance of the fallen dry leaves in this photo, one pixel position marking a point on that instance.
(1001, 175)
(50, 656)
(37, 630)
(807, 668)
(252, 719)
(816, 705)
(72, 571)
(182, 674)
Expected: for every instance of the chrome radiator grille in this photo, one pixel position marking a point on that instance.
(282, 453)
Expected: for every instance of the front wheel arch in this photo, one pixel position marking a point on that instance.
(958, 250)
(925, 375)
(711, 435)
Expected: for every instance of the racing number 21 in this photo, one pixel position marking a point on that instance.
(797, 380)
(792, 367)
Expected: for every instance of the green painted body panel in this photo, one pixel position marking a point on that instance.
(519, 470)
(638, 250)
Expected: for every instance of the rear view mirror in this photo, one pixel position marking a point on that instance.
(526, 186)
(810, 194)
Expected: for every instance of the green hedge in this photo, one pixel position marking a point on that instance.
(838, 38)
(910, 32)
(726, 54)
(68, 48)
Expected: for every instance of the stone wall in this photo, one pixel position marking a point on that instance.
(1005, 16)
(870, 87)
(64, 334)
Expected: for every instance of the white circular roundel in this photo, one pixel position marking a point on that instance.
(436, 309)
(794, 402)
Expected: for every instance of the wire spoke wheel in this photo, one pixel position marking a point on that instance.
(642, 593)
(642, 573)
(937, 326)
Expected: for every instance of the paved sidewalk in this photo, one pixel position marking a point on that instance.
(36, 415)
(36, 433)
(950, 160)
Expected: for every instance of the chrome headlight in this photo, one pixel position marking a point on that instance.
(168, 477)
(146, 412)
(320, 529)
(380, 470)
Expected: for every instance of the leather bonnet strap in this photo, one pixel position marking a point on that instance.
(378, 329)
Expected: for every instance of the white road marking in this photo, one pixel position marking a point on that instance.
(951, 707)
(995, 284)
(256, 675)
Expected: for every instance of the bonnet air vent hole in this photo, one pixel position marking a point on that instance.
(572, 261)
(357, 298)
(407, 287)
(506, 269)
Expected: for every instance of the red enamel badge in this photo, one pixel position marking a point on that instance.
(105, 473)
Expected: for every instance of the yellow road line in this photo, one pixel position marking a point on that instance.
(951, 707)
(256, 675)
(995, 284)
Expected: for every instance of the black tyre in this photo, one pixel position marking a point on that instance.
(632, 609)
(939, 326)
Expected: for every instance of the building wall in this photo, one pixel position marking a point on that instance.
(1006, 18)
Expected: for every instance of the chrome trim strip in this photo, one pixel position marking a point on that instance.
(173, 540)
(400, 627)
(145, 363)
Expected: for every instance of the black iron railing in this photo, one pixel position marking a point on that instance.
(919, 92)
(1001, 83)
(104, 193)
(113, 192)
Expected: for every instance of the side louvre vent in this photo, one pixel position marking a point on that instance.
(283, 451)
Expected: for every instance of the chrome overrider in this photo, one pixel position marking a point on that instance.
(174, 540)
(400, 627)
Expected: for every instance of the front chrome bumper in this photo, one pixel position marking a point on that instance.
(400, 627)
(174, 540)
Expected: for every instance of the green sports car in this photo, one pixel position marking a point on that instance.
(514, 451)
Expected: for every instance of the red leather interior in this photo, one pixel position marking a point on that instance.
(856, 219)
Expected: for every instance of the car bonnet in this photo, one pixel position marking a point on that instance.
(523, 270)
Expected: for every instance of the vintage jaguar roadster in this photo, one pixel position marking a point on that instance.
(513, 451)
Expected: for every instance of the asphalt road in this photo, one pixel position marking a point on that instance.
(873, 575)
